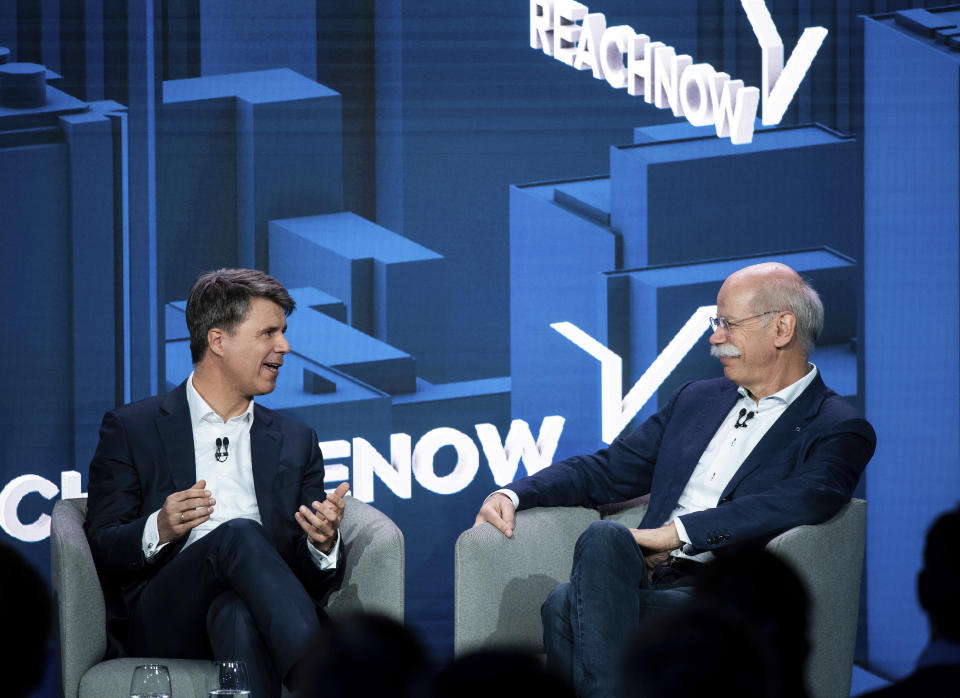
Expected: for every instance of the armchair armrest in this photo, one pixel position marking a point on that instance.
(501, 582)
(373, 563)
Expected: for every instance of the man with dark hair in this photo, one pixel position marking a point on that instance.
(726, 461)
(938, 669)
(207, 516)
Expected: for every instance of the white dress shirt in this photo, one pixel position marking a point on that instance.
(728, 449)
(230, 482)
(725, 453)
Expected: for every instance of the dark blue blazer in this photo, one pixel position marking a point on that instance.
(146, 453)
(802, 471)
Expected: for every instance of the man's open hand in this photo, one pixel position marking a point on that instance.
(498, 510)
(321, 524)
(183, 511)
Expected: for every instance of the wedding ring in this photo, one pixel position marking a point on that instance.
(181, 517)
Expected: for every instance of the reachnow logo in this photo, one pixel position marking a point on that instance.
(568, 31)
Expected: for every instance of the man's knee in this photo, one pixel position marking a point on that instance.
(239, 534)
(228, 611)
(239, 526)
(604, 535)
(556, 607)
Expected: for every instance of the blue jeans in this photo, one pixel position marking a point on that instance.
(588, 622)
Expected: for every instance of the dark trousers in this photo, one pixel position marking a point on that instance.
(588, 622)
(228, 595)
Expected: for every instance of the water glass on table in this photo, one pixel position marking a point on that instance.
(150, 681)
(231, 680)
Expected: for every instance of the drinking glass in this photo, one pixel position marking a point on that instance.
(150, 681)
(231, 680)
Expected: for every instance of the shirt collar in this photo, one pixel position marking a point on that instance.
(788, 394)
(200, 411)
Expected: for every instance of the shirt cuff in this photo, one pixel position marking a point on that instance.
(150, 541)
(325, 561)
(510, 493)
(681, 531)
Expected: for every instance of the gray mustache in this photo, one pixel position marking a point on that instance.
(728, 350)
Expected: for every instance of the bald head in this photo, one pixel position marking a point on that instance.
(775, 286)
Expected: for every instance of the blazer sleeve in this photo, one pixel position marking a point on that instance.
(621, 471)
(312, 577)
(114, 524)
(823, 481)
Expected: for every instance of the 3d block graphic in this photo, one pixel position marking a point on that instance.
(54, 103)
(390, 283)
(557, 258)
(23, 85)
(704, 198)
(230, 30)
(234, 152)
(57, 194)
(911, 258)
(58, 203)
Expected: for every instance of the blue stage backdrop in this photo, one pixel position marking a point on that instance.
(463, 219)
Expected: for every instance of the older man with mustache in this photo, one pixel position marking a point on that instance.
(727, 461)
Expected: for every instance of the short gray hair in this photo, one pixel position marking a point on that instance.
(799, 297)
(221, 299)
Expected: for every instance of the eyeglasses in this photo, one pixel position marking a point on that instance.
(722, 323)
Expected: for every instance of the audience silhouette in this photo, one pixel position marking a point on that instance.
(938, 589)
(366, 656)
(518, 672)
(744, 631)
(27, 609)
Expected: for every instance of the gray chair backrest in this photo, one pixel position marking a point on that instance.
(828, 558)
(78, 597)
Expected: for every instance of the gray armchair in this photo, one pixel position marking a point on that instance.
(372, 582)
(500, 583)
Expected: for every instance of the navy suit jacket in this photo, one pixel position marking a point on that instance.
(802, 471)
(146, 453)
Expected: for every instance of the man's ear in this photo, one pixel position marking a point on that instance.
(786, 327)
(215, 340)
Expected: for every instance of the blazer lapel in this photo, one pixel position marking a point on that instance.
(265, 442)
(793, 420)
(176, 438)
(702, 426)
